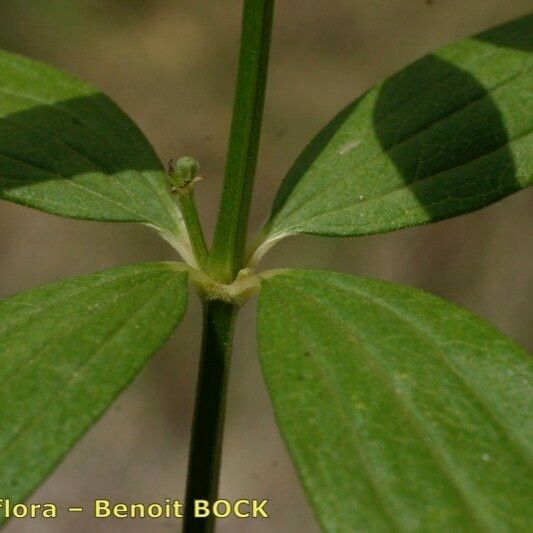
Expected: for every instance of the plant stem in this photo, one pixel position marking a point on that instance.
(208, 423)
(226, 260)
(231, 228)
(194, 228)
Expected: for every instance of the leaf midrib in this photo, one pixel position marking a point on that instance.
(285, 216)
(365, 133)
(50, 302)
(425, 336)
(116, 149)
(98, 168)
(380, 497)
(297, 227)
(417, 423)
(139, 217)
(36, 352)
(76, 375)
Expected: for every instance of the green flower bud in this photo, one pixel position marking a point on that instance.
(183, 172)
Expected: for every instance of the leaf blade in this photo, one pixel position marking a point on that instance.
(447, 135)
(401, 411)
(67, 149)
(67, 350)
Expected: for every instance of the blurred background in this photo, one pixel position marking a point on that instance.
(171, 66)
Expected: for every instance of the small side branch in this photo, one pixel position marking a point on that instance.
(194, 228)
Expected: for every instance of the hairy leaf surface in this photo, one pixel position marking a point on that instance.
(66, 350)
(402, 412)
(449, 134)
(67, 149)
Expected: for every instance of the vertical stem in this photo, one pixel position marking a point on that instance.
(226, 260)
(208, 423)
(231, 228)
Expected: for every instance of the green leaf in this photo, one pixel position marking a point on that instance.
(449, 134)
(401, 411)
(67, 149)
(66, 351)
